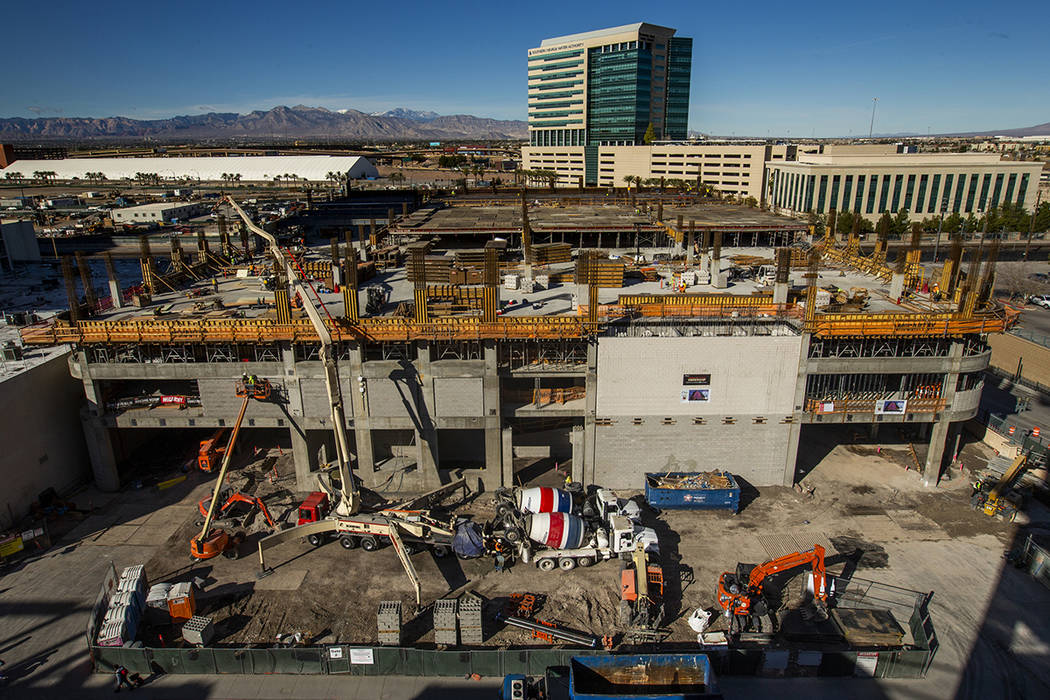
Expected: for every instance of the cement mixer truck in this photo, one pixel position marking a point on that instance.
(544, 529)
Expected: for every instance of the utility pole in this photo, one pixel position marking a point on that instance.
(1031, 225)
(871, 128)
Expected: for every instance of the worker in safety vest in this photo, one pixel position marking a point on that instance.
(976, 487)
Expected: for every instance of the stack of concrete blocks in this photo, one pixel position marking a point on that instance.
(388, 623)
(470, 632)
(445, 630)
(527, 286)
(198, 630)
(542, 282)
(703, 275)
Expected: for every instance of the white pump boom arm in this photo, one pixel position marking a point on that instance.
(349, 503)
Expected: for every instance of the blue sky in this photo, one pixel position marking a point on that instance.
(780, 69)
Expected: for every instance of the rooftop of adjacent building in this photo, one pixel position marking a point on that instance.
(157, 207)
(611, 31)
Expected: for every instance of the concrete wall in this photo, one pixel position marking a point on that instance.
(1010, 352)
(20, 241)
(625, 451)
(752, 390)
(41, 434)
(749, 375)
(459, 396)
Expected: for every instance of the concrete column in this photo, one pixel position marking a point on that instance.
(576, 438)
(100, 452)
(507, 440)
(427, 458)
(791, 454)
(874, 432)
(896, 285)
(940, 430)
(780, 293)
(303, 458)
(587, 473)
(115, 294)
(291, 382)
(493, 422)
(356, 405)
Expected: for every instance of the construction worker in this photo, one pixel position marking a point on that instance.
(244, 380)
(121, 675)
(976, 486)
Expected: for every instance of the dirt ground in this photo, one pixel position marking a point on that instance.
(856, 497)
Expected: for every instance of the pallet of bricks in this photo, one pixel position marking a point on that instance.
(126, 606)
(469, 615)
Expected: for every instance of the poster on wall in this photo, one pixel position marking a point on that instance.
(696, 380)
(694, 395)
(894, 407)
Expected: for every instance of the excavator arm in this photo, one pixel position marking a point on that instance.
(813, 556)
(349, 502)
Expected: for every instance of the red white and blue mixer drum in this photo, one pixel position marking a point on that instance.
(556, 530)
(543, 499)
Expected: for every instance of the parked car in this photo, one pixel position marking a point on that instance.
(1042, 300)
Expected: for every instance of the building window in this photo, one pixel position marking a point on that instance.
(873, 188)
(847, 190)
(920, 201)
(1023, 189)
(932, 205)
(834, 204)
(810, 181)
(860, 193)
(822, 197)
(959, 189)
(998, 190)
(1009, 198)
(883, 196)
(972, 192)
(986, 184)
(898, 185)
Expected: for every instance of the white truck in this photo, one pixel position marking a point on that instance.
(565, 541)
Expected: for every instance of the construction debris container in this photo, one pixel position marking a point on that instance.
(693, 490)
(182, 604)
(663, 676)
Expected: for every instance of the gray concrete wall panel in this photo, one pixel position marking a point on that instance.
(459, 396)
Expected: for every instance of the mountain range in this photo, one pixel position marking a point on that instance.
(279, 123)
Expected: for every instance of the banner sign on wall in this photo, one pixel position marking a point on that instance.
(693, 395)
(895, 407)
(696, 379)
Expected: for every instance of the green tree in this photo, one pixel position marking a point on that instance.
(952, 223)
(14, 176)
(1042, 217)
(971, 224)
(650, 134)
(844, 222)
(751, 202)
(884, 227)
(629, 179)
(900, 223)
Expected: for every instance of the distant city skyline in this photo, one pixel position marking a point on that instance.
(772, 71)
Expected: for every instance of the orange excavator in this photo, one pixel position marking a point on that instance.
(744, 599)
(213, 542)
(233, 508)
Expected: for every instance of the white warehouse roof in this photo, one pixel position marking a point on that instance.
(205, 168)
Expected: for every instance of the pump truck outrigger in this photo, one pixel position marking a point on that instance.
(743, 597)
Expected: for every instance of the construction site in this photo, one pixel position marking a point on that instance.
(518, 426)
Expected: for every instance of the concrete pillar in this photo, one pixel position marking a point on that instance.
(791, 454)
(291, 382)
(576, 438)
(874, 432)
(941, 429)
(303, 457)
(780, 293)
(896, 285)
(588, 474)
(355, 403)
(493, 422)
(427, 458)
(115, 294)
(507, 453)
(100, 452)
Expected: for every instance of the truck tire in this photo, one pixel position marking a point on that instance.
(348, 542)
(512, 534)
(566, 563)
(369, 543)
(503, 510)
(547, 564)
(440, 551)
(585, 561)
(315, 540)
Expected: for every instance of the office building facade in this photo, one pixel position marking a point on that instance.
(606, 87)
(926, 184)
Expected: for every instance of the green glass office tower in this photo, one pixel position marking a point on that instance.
(604, 88)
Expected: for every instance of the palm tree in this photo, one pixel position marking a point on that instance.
(13, 176)
(397, 177)
(630, 180)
